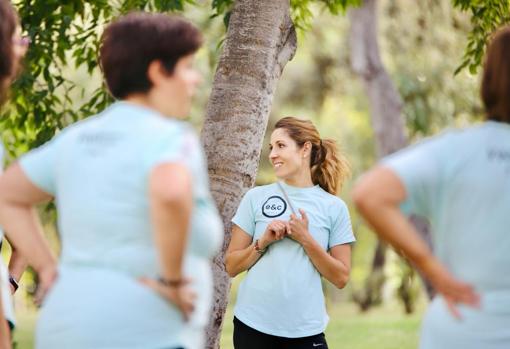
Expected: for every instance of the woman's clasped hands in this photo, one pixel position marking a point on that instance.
(295, 228)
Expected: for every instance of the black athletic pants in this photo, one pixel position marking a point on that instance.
(246, 337)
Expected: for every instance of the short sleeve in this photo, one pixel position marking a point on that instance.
(341, 228)
(179, 146)
(419, 170)
(39, 165)
(245, 217)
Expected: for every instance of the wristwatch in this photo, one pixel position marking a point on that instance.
(13, 283)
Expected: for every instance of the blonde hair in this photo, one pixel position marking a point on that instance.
(329, 167)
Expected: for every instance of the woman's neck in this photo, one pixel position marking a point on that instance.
(303, 179)
(150, 100)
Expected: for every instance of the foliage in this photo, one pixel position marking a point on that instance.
(486, 17)
(302, 9)
(429, 42)
(64, 35)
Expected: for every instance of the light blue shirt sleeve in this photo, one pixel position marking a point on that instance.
(39, 165)
(419, 169)
(341, 229)
(245, 216)
(179, 146)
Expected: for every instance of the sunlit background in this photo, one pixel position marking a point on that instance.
(421, 43)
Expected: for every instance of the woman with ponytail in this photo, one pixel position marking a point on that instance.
(288, 235)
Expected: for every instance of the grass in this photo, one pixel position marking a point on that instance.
(385, 327)
(24, 334)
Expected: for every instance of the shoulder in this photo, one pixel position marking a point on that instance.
(446, 139)
(332, 203)
(172, 136)
(72, 131)
(429, 150)
(260, 190)
(173, 124)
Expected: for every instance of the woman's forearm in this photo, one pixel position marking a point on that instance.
(334, 270)
(171, 199)
(24, 232)
(171, 227)
(392, 226)
(238, 261)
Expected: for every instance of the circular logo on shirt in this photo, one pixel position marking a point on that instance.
(275, 206)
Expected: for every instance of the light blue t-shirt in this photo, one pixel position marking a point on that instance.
(460, 182)
(282, 294)
(98, 170)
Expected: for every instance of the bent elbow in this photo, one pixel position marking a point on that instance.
(231, 272)
(341, 281)
(230, 269)
(361, 197)
(340, 284)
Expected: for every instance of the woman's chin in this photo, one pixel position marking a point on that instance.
(280, 175)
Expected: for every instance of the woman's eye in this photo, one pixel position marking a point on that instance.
(281, 145)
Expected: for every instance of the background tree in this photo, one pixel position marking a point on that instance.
(65, 36)
(261, 39)
(389, 133)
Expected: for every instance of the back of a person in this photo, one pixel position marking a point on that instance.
(102, 189)
(470, 220)
(471, 211)
(107, 242)
(460, 182)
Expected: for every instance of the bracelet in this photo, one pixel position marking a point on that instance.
(258, 249)
(170, 283)
(13, 283)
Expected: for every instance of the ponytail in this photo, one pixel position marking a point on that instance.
(329, 167)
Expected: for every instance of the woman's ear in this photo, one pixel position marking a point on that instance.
(307, 149)
(156, 72)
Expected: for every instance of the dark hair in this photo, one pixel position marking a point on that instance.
(8, 23)
(132, 42)
(329, 168)
(495, 89)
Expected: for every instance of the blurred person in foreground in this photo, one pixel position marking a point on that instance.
(137, 223)
(12, 49)
(459, 181)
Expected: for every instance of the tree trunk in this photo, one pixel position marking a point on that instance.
(387, 121)
(261, 39)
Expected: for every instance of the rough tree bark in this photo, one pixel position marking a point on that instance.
(260, 40)
(387, 122)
